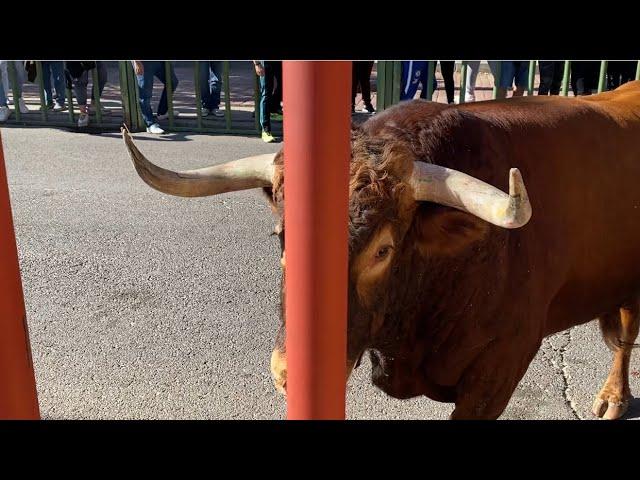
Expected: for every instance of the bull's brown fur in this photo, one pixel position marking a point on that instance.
(464, 304)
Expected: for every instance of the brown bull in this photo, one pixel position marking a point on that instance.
(453, 284)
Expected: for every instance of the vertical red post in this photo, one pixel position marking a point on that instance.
(317, 123)
(18, 396)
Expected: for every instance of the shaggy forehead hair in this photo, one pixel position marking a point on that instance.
(377, 189)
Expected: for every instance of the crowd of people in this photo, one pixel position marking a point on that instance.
(58, 76)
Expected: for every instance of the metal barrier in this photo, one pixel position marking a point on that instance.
(124, 106)
(389, 73)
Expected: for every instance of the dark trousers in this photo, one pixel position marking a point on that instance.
(446, 68)
(584, 77)
(276, 98)
(619, 73)
(550, 77)
(361, 75)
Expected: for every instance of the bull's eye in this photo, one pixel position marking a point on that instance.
(383, 252)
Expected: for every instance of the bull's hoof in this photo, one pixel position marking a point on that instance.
(610, 407)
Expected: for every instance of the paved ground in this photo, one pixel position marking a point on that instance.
(142, 305)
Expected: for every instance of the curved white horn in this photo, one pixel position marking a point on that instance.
(455, 189)
(242, 174)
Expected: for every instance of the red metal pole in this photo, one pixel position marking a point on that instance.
(317, 122)
(18, 396)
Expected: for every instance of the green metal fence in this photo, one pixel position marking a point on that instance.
(127, 107)
(389, 74)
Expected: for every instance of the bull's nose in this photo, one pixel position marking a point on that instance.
(279, 370)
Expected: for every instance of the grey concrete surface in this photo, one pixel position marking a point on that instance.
(146, 306)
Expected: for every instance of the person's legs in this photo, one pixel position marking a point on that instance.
(5, 113)
(503, 81)
(520, 77)
(46, 83)
(473, 67)
(276, 98)
(159, 70)
(145, 90)
(215, 83)
(354, 84)
(411, 75)
(447, 73)
(57, 70)
(546, 77)
(204, 77)
(558, 74)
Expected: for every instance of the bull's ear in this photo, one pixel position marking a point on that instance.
(446, 231)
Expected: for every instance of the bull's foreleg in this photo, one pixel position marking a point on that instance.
(486, 386)
(619, 330)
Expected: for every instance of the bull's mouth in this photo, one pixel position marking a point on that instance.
(279, 369)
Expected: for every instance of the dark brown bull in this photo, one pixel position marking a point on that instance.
(453, 303)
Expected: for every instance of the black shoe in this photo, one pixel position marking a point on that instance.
(368, 108)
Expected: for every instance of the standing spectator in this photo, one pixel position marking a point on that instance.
(276, 97)
(5, 113)
(145, 71)
(551, 74)
(446, 68)
(619, 73)
(512, 72)
(264, 70)
(20, 79)
(79, 76)
(361, 75)
(584, 77)
(55, 70)
(415, 73)
(473, 67)
(210, 88)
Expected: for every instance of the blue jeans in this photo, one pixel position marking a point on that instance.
(210, 84)
(145, 89)
(414, 73)
(55, 70)
(512, 72)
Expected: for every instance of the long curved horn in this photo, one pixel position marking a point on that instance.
(242, 174)
(455, 189)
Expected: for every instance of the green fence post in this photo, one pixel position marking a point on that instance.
(431, 72)
(227, 96)
(14, 88)
(638, 71)
(43, 104)
(381, 85)
(603, 76)
(135, 95)
(532, 76)
(169, 87)
(95, 102)
(496, 79)
(463, 81)
(565, 78)
(196, 78)
(397, 82)
(124, 94)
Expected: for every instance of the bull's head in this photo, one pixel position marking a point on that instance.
(398, 215)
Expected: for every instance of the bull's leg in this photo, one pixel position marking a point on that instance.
(619, 330)
(486, 386)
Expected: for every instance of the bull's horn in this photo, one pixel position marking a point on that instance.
(250, 172)
(455, 189)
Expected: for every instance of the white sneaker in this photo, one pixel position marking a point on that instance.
(59, 108)
(155, 128)
(218, 113)
(83, 121)
(205, 112)
(470, 98)
(22, 105)
(5, 113)
(166, 115)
